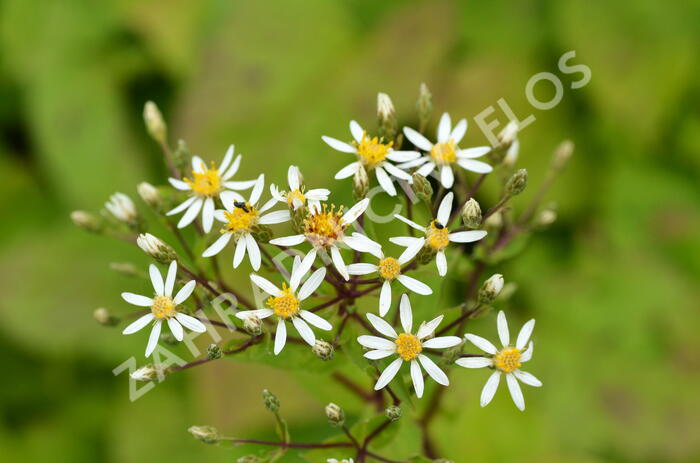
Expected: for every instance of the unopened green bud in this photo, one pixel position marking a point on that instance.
(86, 221)
(387, 116)
(393, 413)
(323, 350)
(214, 352)
(424, 106)
(253, 325)
(271, 401)
(491, 289)
(103, 317)
(148, 373)
(155, 248)
(517, 183)
(471, 213)
(562, 154)
(206, 434)
(154, 122)
(360, 184)
(335, 415)
(150, 195)
(181, 156)
(422, 187)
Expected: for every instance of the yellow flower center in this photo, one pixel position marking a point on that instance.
(295, 196)
(389, 268)
(507, 359)
(241, 219)
(444, 153)
(408, 346)
(163, 307)
(372, 151)
(437, 236)
(322, 228)
(285, 305)
(207, 183)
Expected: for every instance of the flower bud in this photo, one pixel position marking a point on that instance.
(214, 352)
(125, 268)
(86, 221)
(507, 148)
(155, 248)
(424, 106)
(546, 218)
(335, 415)
(150, 195)
(471, 213)
(206, 434)
(562, 154)
(271, 401)
(387, 116)
(154, 122)
(360, 184)
(148, 373)
(103, 317)
(517, 183)
(253, 325)
(512, 155)
(323, 350)
(122, 208)
(393, 413)
(491, 289)
(422, 187)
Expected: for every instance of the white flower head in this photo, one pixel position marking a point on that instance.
(240, 219)
(437, 235)
(388, 269)
(507, 360)
(407, 347)
(208, 183)
(372, 154)
(297, 196)
(324, 228)
(285, 303)
(446, 152)
(122, 208)
(164, 307)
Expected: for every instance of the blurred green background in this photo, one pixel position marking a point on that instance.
(613, 284)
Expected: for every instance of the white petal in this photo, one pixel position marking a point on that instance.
(156, 279)
(233, 169)
(375, 342)
(378, 354)
(502, 325)
(275, 217)
(339, 145)
(170, 279)
(385, 181)
(407, 241)
(490, 388)
(442, 342)
(361, 243)
(473, 152)
(228, 198)
(138, 324)
(227, 159)
(474, 362)
(292, 240)
(361, 269)
(347, 171)
(406, 314)
(308, 260)
(527, 355)
(414, 285)
(524, 335)
(426, 169)
(410, 222)
(396, 172)
(270, 202)
(355, 211)
(191, 214)
(427, 329)
(136, 299)
(280, 336)
(198, 165)
(382, 326)
(184, 205)
(312, 283)
(191, 323)
(475, 166)
(218, 245)
(253, 251)
(459, 131)
(176, 329)
(179, 184)
(388, 374)
(515, 392)
(443, 214)
(240, 185)
(357, 131)
(240, 252)
(402, 156)
(433, 370)
(293, 178)
(306, 333)
(153, 338)
(265, 285)
(315, 320)
(257, 189)
(481, 343)
(467, 236)
(320, 194)
(385, 298)
(339, 263)
(184, 292)
(208, 215)
(441, 262)
(417, 377)
(260, 313)
(414, 162)
(527, 378)
(447, 177)
(444, 128)
(417, 139)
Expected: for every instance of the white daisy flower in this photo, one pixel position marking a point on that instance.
(446, 152)
(325, 229)
(408, 347)
(437, 235)
(240, 218)
(206, 185)
(122, 208)
(373, 155)
(164, 307)
(388, 269)
(296, 197)
(504, 361)
(285, 304)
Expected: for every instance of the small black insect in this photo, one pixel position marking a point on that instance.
(439, 226)
(240, 205)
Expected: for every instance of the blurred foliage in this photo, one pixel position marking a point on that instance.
(613, 284)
